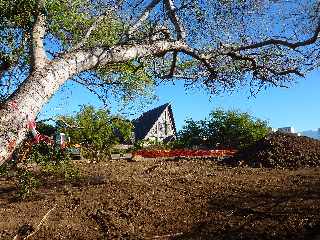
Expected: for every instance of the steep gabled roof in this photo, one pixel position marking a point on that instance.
(144, 123)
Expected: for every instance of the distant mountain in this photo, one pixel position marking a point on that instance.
(311, 133)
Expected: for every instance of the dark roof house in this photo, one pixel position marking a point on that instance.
(156, 124)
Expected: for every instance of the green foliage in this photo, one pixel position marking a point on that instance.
(235, 129)
(229, 129)
(69, 21)
(46, 129)
(52, 161)
(3, 170)
(155, 145)
(149, 145)
(128, 80)
(67, 25)
(42, 153)
(192, 134)
(20, 13)
(219, 27)
(64, 169)
(26, 183)
(96, 131)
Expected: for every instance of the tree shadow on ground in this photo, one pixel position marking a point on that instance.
(49, 186)
(261, 215)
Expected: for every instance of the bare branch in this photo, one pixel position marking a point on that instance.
(143, 17)
(286, 72)
(173, 65)
(168, 236)
(255, 66)
(93, 88)
(285, 43)
(169, 4)
(202, 58)
(242, 58)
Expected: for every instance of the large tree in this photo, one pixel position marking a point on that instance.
(215, 44)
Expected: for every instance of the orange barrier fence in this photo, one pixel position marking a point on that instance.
(185, 153)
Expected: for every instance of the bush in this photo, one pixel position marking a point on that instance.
(192, 134)
(52, 160)
(64, 169)
(43, 153)
(152, 145)
(96, 131)
(46, 129)
(26, 183)
(227, 129)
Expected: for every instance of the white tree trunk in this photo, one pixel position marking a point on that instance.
(24, 105)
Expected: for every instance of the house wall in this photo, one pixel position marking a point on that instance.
(162, 128)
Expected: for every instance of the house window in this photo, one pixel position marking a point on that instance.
(166, 128)
(161, 127)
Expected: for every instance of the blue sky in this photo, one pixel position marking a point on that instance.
(297, 106)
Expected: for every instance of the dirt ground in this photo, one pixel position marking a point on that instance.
(183, 199)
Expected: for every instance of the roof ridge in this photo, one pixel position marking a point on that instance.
(144, 123)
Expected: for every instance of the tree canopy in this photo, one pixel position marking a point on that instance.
(227, 129)
(227, 42)
(126, 47)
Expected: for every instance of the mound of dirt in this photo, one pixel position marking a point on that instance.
(283, 150)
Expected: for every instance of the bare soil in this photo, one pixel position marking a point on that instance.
(159, 199)
(283, 150)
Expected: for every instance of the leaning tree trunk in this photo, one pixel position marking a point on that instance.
(18, 113)
(21, 109)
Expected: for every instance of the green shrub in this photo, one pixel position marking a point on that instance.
(192, 134)
(227, 129)
(26, 183)
(53, 161)
(42, 153)
(64, 169)
(4, 170)
(153, 145)
(97, 131)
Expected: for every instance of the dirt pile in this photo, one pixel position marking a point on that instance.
(283, 150)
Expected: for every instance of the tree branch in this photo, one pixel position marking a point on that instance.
(169, 4)
(292, 45)
(90, 30)
(255, 66)
(173, 65)
(124, 53)
(242, 58)
(88, 33)
(143, 17)
(202, 58)
(286, 72)
(38, 32)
